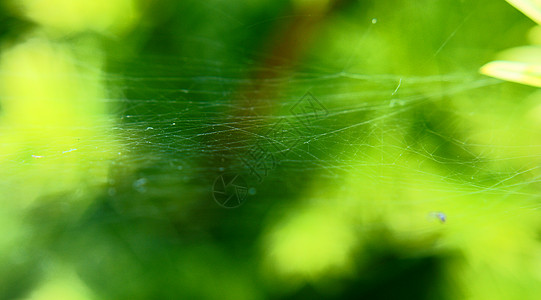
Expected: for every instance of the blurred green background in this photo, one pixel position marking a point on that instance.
(418, 179)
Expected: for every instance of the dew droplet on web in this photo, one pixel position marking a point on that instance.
(140, 185)
(396, 102)
(438, 215)
(252, 191)
(374, 21)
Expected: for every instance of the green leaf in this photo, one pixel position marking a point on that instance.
(531, 8)
(520, 72)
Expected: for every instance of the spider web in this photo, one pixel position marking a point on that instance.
(199, 120)
(190, 120)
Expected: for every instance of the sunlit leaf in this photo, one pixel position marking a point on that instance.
(520, 72)
(531, 8)
(73, 16)
(534, 35)
(524, 54)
